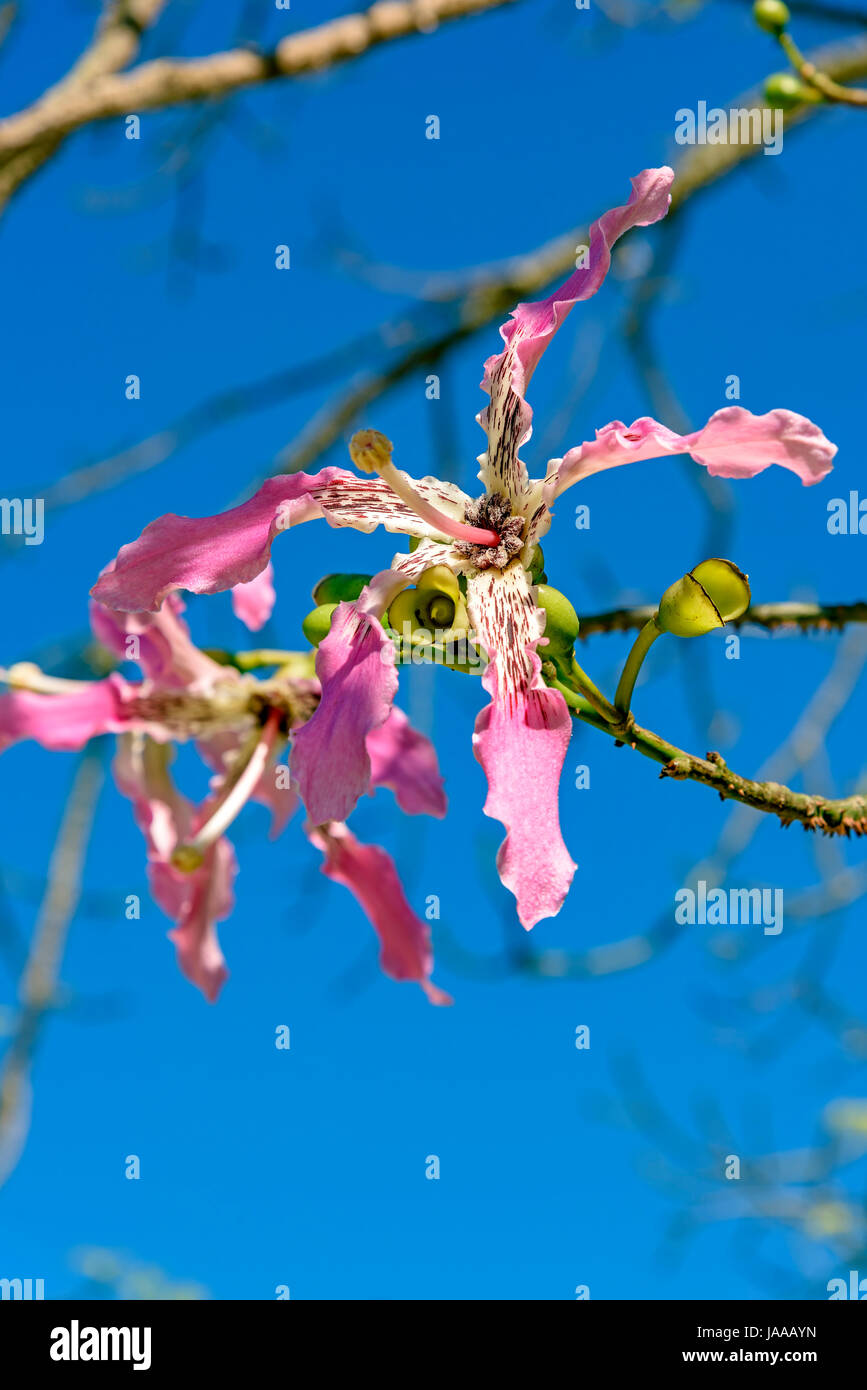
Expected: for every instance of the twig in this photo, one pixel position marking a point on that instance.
(820, 617)
(843, 816)
(114, 45)
(39, 982)
(818, 79)
(96, 91)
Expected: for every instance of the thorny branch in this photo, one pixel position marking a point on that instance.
(806, 617)
(832, 816)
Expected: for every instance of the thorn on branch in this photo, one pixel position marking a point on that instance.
(678, 768)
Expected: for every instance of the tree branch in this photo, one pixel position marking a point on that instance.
(114, 45)
(823, 617)
(95, 92)
(843, 816)
(39, 983)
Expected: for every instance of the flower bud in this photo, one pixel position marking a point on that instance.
(771, 15)
(336, 587)
(317, 624)
(785, 90)
(710, 596)
(561, 621)
(436, 604)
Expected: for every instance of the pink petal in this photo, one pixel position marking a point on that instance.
(159, 642)
(209, 554)
(356, 668)
(194, 901)
(369, 873)
(253, 603)
(733, 444)
(507, 420)
(403, 759)
(521, 740)
(211, 900)
(67, 720)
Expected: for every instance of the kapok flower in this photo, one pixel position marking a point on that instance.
(487, 542)
(239, 724)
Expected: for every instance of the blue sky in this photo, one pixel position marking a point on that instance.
(307, 1168)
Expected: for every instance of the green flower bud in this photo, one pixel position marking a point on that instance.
(403, 610)
(561, 622)
(436, 604)
(441, 611)
(317, 624)
(771, 15)
(710, 596)
(336, 587)
(785, 91)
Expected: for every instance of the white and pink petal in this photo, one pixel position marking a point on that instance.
(508, 419)
(209, 554)
(521, 739)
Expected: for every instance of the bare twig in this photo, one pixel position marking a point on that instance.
(39, 982)
(96, 91)
(114, 45)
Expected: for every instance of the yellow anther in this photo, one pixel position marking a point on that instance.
(370, 451)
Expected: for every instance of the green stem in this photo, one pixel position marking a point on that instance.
(292, 663)
(573, 700)
(833, 817)
(822, 84)
(640, 647)
(594, 695)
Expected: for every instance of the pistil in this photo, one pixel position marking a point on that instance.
(26, 675)
(240, 785)
(371, 452)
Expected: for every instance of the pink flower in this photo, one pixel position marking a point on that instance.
(238, 724)
(522, 735)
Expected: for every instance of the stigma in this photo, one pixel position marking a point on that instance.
(371, 452)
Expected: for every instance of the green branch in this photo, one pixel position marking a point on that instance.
(822, 617)
(844, 816)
